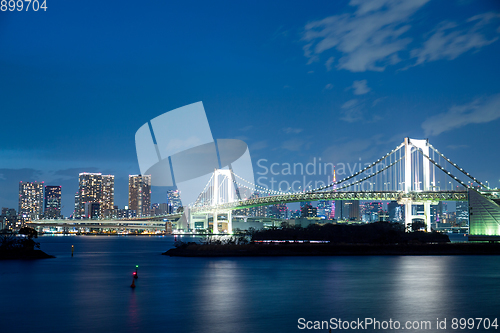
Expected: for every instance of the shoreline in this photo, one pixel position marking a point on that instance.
(308, 249)
(25, 255)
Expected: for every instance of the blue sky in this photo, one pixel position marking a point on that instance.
(337, 80)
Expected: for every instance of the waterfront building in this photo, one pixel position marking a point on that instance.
(92, 210)
(77, 205)
(30, 201)
(107, 201)
(8, 219)
(139, 194)
(89, 190)
(125, 213)
(52, 203)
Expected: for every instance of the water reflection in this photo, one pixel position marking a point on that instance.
(91, 291)
(421, 288)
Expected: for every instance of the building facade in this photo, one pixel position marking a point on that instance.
(139, 194)
(107, 202)
(52, 204)
(30, 201)
(89, 190)
(173, 201)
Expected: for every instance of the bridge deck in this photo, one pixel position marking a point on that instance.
(434, 196)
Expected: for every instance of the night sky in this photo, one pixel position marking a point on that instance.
(296, 80)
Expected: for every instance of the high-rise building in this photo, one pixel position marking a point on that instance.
(52, 205)
(347, 210)
(394, 209)
(77, 205)
(304, 203)
(324, 209)
(308, 210)
(279, 211)
(259, 211)
(30, 201)
(8, 219)
(173, 201)
(159, 209)
(92, 210)
(462, 209)
(139, 194)
(370, 211)
(107, 202)
(89, 190)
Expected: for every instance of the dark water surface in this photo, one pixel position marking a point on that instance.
(91, 292)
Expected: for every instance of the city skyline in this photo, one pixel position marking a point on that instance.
(295, 82)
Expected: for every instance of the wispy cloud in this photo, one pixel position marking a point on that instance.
(246, 128)
(258, 145)
(476, 112)
(295, 144)
(455, 147)
(360, 87)
(373, 36)
(368, 39)
(329, 63)
(291, 130)
(378, 100)
(359, 150)
(449, 40)
(329, 86)
(351, 111)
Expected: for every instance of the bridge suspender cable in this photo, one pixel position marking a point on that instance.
(360, 171)
(368, 177)
(458, 168)
(443, 169)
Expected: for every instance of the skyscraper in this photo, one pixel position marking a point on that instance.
(159, 209)
(97, 189)
(8, 218)
(139, 194)
(462, 209)
(347, 210)
(173, 200)
(90, 190)
(52, 205)
(30, 201)
(324, 209)
(108, 195)
(77, 205)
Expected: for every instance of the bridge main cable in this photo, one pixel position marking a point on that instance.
(457, 167)
(367, 177)
(360, 171)
(441, 168)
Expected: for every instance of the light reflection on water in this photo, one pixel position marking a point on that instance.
(91, 291)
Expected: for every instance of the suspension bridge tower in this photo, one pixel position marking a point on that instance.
(223, 192)
(413, 173)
